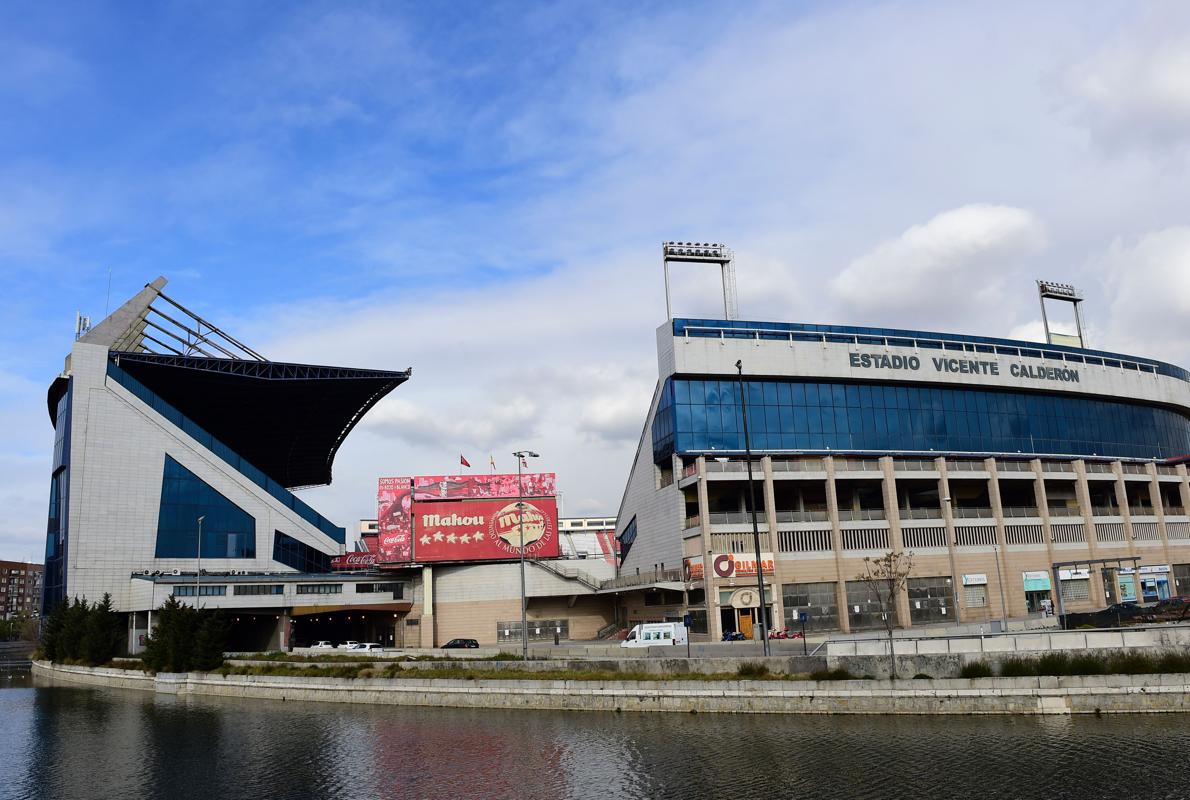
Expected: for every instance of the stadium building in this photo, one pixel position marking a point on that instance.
(1023, 476)
(177, 450)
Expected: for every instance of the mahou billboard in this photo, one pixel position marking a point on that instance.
(396, 498)
(484, 530)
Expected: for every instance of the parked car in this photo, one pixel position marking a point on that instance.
(456, 644)
(656, 634)
(323, 645)
(370, 647)
(350, 645)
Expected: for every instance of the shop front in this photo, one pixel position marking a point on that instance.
(1154, 584)
(1037, 591)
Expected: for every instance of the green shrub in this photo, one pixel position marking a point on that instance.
(1132, 663)
(1054, 664)
(185, 639)
(1087, 664)
(1017, 668)
(1174, 662)
(751, 669)
(976, 669)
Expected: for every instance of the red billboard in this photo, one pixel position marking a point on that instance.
(484, 530)
(353, 561)
(397, 497)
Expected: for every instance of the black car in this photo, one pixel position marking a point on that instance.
(456, 644)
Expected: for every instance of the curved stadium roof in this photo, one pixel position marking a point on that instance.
(287, 420)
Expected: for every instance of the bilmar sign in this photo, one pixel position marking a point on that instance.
(944, 365)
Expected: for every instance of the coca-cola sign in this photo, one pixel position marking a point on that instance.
(354, 561)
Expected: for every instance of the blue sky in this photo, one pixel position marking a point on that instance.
(478, 190)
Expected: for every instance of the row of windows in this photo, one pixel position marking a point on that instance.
(206, 591)
(319, 588)
(701, 415)
(57, 524)
(275, 588)
(370, 588)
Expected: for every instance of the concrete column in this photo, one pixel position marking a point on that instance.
(832, 513)
(426, 630)
(770, 511)
(1125, 513)
(1159, 511)
(1083, 494)
(714, 623)
(896, 541)
(1043, 509)
(1184, 487)
(952, 556)
(1014, 590)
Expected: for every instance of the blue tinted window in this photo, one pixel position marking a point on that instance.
(839, 416)
(302, 557)
(227, 530)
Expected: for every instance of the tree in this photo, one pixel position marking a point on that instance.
(185, 639)
(51, 633)
(886, 577)
(102, 633)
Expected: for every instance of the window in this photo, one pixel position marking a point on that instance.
(975, 596)
(274, 588)
(397, 589)
(227, 530)
(298, 555)
(207, 591)
(1078, 589)
(320, 588)
(816, 600)
(931, 600)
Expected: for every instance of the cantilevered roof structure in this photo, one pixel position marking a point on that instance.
(287, 420)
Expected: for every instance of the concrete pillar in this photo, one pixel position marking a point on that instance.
(832, 513)
(952, 557)
(1041, 499)
(1122, 501)
(1083, 494)
(1014, 589)
(1184, 487)
(1158, 511)
(770, 540)
(896, 540)
(427, 634)
(714, 623)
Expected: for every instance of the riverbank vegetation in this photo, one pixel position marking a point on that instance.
(77, 632)
(346, 658)
(185, 639)
(1124, 663)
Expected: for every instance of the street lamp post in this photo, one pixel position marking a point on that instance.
(764, 624)
(198, 571)
(521, 455)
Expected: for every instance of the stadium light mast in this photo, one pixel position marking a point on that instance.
(1048, 290)
(521, 455)
(703, 253)
(764, 623)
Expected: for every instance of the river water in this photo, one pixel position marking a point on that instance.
(111, 744)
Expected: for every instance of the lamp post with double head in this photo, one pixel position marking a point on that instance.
(764, 624)
(521, 455)
(198, 570)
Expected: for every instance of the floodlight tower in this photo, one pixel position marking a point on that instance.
(1067, 294)
(703, 253)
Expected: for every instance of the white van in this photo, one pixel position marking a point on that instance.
(656, 634)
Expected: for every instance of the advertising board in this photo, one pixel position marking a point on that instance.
(353, 561)
(484, 530)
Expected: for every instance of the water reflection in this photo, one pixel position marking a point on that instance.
(67, 742)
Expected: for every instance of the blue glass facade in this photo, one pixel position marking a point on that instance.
(276, 490)
(696, 415)
(227, 530)
(56, 539)
(302, 557)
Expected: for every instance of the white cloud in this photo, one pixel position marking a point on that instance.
(951, 264)
(1148, 279)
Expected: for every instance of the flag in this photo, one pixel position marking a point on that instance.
(463, 461)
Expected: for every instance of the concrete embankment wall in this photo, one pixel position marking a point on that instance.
(1072, 695)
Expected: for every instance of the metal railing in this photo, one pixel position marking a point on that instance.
(976, 512)
(731, 466)
(1014, 466)
(861, 514)
(1134, 469)
(1020, 511)
(1105, 511)
(736, 518)
(857, 465)
(691, 522)
(811, 515)
(966, 465)
(1163, 469)
(920, 513)
(650, 576)
(1098, 466)
(1057, 466)
(799, 465)
(914, 465)
(1175, 511)
(690, 469)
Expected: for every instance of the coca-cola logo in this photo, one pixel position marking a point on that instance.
(507, 523)
(353, 561)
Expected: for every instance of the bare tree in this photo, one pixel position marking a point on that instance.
(885, 577)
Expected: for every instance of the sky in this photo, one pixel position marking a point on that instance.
(479, 190)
